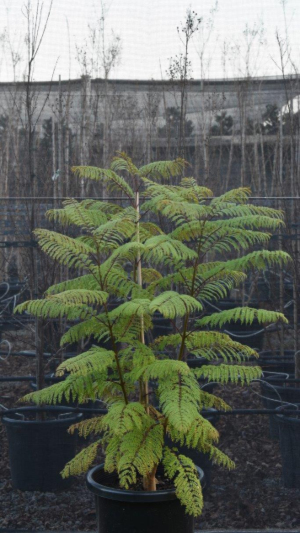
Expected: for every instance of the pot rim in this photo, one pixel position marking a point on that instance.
(276, 353)
(281, 377)
(193, 361)
(132, 496)
(9, 421)
(285, 418)
(268, 387)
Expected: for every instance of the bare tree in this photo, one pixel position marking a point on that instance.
(150, 107)
(180, 70)
(97, 57)
(24, 108)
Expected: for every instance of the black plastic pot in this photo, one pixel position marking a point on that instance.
(90, 404)
(130, 511)
(273, 361)
(253, 337)
(289, 433)
(200, 459)
(39, 449)
(161, 326)
(196, 362)
(277, 389)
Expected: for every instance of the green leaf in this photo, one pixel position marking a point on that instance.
(245, 315)
(53, 307)
(95, 359)
(214, 345)
(179, 400)
(140, 451)
(170, 304)
(182, 470)
(108, 176)
(64, 249)
(229, 373)
(163, 169)
(82, 461)
(164, 249)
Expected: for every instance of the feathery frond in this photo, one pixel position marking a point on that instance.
(213, 345)
(108, 176)
(163, 169)
(82, 462)
(52, 307)
(178, 396)
(87, 427)
(95, 359)
(245, 315)
(66, 250)
(87, 282)
(229, 373)
(182, 470)
(140, 451)
(78, 214)
(170, 304)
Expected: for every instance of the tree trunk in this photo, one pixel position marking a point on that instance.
(149, 482)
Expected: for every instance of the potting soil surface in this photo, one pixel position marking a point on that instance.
(249, 497)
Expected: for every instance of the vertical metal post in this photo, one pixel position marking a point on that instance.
(38, 328)
(281, 285)
(60, 143)
(54, 162)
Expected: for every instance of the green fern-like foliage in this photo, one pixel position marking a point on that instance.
(125, 267)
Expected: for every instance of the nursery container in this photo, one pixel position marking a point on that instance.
(161, 326)
(276, 390)
(253, 337)
(289, 437)
(273, 361)
(39, 449)
(128, 511)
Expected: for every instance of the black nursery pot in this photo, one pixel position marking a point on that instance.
(253, 337)
(289, 437)
(130, 511)
(161, 326)
(273, 361)
(73, 404)
(276, 388)
(39, 449)
(196, 362)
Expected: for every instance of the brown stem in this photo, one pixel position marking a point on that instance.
(114, 346)
(149, 482)
(182, 346)
(186, 320)
(144, 387)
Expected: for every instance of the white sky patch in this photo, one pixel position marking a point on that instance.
(149, 37)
